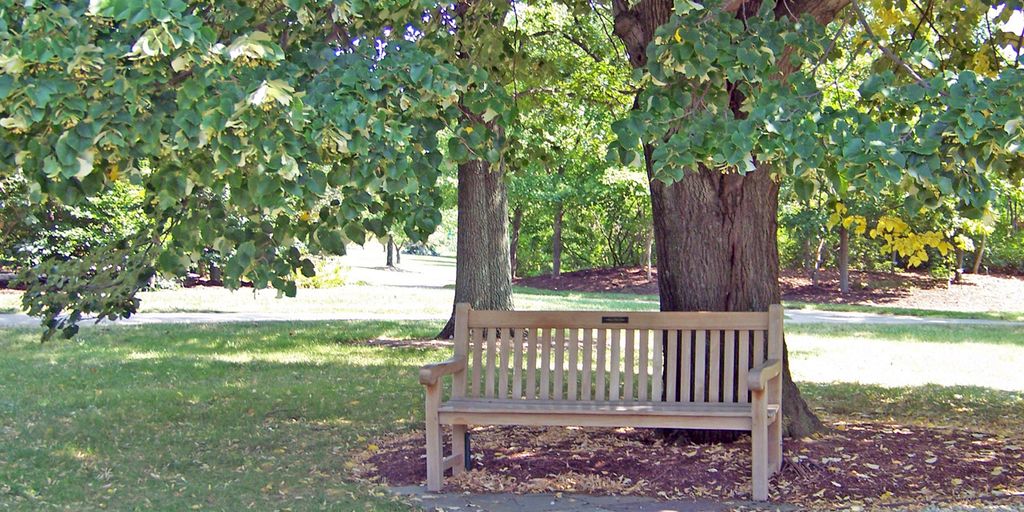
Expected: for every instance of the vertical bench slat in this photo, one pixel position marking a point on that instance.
(545, 363)
(531, 364)
(490, 335)
(601, 346)
(686, 366)
(504, 341)
(672, 393)
(645, 341)
(700, 367)
(517, 364)
(714, 366)
(573, 344)
(729, 366)
(743, 367)
(614, 364)
(477, 343)
(627, 383)
(588, 361)
(758, 348)
(558, 393)
(656, 363)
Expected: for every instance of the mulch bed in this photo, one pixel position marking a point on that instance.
(897, 289)
(860, 464)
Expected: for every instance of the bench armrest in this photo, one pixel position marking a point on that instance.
(759, 375)
(431, 372)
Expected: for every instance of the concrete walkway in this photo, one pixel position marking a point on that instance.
(797, 316)
(505, 502)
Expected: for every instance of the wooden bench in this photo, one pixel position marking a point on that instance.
(599, 369)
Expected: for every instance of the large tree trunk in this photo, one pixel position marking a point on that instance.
(716, 233)
(556, 241)
(483, 276)
(517, 224)
(844, 260)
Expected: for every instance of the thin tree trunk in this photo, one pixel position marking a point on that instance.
(979, 255)
(556, 241)
(391, 252)
(483, 275)
(649, 252)
(819, 261)
(517, 224)
(844, 260)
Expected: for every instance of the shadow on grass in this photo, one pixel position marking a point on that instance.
(966, 407)
(951, 333)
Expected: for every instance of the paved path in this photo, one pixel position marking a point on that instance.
(560, 502)
(796, 316)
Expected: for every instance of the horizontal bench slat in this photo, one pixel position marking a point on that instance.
(600, 408)
(633, 319)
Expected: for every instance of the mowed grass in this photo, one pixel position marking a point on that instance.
(224, 417)
(357, 300)
(1012, 316)
(263, 416)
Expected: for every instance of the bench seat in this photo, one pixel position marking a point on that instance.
(722, 416)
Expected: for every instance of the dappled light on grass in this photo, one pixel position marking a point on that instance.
(149, 417)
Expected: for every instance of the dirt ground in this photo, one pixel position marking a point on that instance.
(862, 464)
(905, 290)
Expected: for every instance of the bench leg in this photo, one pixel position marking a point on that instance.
(775, 445)
(759, 447)
(435, 471)
(459, 448)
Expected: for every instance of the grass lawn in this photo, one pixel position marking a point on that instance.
(1013, 316)
(263, 416)
(414, 301)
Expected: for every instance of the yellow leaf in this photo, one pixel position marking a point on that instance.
(998, 470)
(373, 448)
(678, 38)
(469, 129)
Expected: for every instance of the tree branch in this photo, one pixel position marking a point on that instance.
(888, 53)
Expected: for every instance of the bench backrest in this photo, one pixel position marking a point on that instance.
(619, 356)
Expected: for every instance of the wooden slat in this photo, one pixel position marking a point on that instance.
(672, 393)
(758, 348)
(775, 329)
(490, 335)
(559, 368)
(743, 367)
(601, 367)
(700, 369)
(531, 364)
(715, 366)
(645, 364)
(627, 367)
(545, 364)
(588, 361)
(504, 342)
(656, 364)
(686, 366)
(634, 320)
(573, 345)
(614, 364)
(478, 346)
(729, 366)
(517, 364)
(461, 347)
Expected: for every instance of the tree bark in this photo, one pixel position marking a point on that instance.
(844, 260)
(715, 233)
(649, 252)
(517, 224)
(979, 254)
(483, 275)
(391, 252)
(556, 241)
